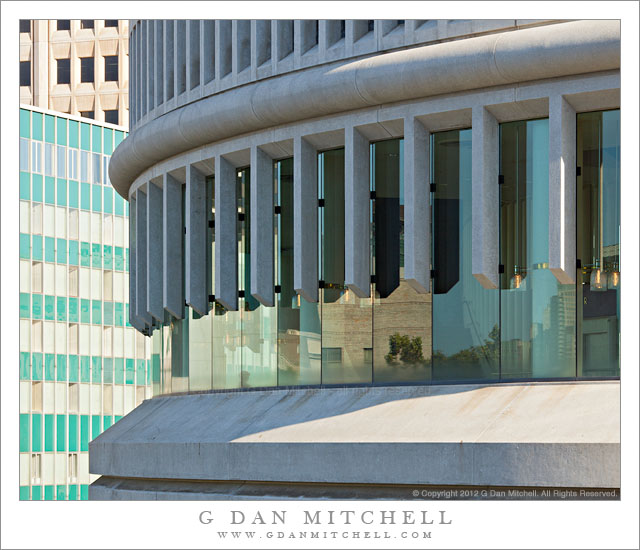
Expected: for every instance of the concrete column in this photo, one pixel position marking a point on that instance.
(484, 197)
(132, 259)
(305, 219)
(356, 213)
(40, 63)
(562, 189)
(417, 210)
(262, 227)
(133, 320)
(141, 258)
(196, 242)
(172, 238)
(226, 260)
(159, 60)
(154, 252)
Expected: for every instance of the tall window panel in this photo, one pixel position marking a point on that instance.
(401, 348)
(346, 340)
(201, 337)
(538, 319)
(259, 323)
(298, 320)
(598, 240)
(466, 335)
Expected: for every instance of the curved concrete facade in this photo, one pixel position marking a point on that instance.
(195, 159)
(574, 48)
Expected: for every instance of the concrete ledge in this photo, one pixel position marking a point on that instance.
(110, 488)
(534, 434)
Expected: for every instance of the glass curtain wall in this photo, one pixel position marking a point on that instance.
(346, 319)
(466, 335)
(598, 240)
(401, 316)
(538, 319)
(531, 327)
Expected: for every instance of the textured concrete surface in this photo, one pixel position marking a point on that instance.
(197, 257)
(172, 235)
(305, 219)
(417, 212)
(485, 193)
(356, 213)
(572, 48)
(545, 434)
(262, 220)
(226, 264)
(154, 252)
(562, 190)
(108, 488)
(141, 258)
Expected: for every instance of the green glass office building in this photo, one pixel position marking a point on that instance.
(82, 366)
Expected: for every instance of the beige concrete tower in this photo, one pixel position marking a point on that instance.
(96, 88)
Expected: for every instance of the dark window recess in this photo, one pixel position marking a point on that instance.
(64, 25)
(86, 24)
(86, 69)
(111, 116)
(370, 25)
(111, 68)
(110, 22)
(64, 71)
(25, 73)
(446, 218)
(25, 25)
(342, 26)
(387, 217)
(400, 22)
(87, 114)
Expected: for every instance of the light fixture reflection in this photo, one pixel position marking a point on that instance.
(598, 280)
(613, 281)
(516, 280)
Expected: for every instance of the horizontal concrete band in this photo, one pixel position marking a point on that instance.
(113, 488)
(519, 464)
(545, 434)
(517, 56)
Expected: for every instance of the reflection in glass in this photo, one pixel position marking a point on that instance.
(466, 337)
(48, 159)
(401, 349)
(62, 162)
(259, 323)
(598, 240)
(201, 332)
(298, 320)
(24, 155)
(537, 313)
(346, 319)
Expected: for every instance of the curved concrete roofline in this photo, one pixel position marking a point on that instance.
(551, 51)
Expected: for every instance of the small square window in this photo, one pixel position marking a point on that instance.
(111, 116)
(25, 73)
(64, 71)
(64, 24)
(111, 68)
(110, 22)
(25, 25)
(86, 69)
(87, 114)
(86, 23)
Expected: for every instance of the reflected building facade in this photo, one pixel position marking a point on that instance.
(357, 222)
